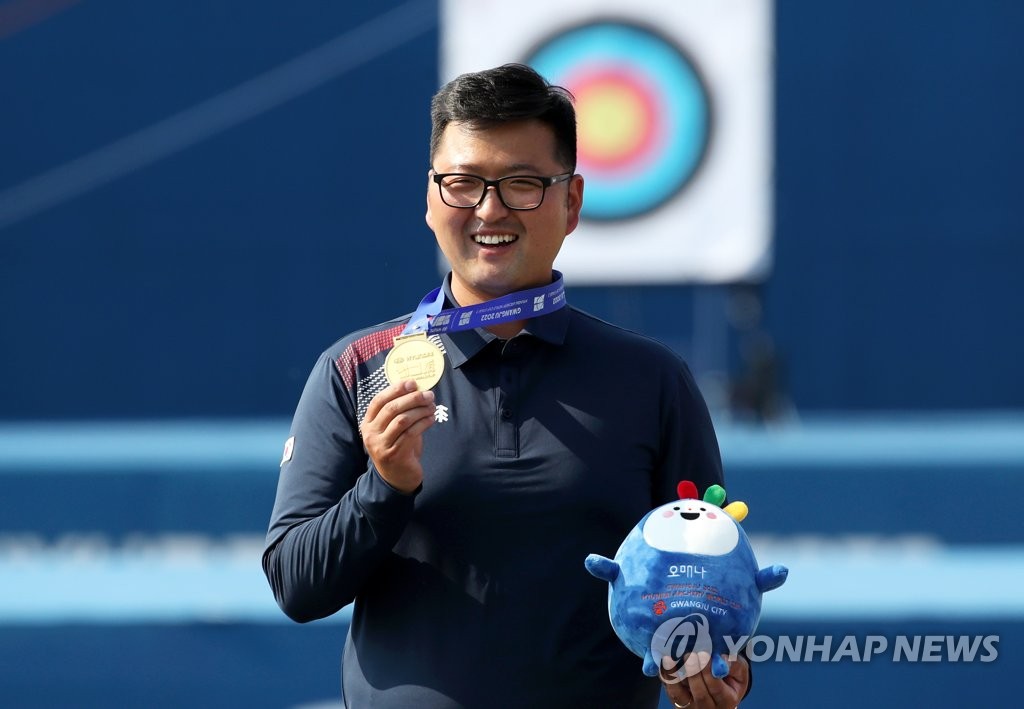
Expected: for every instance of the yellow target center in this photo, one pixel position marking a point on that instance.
(611, 121)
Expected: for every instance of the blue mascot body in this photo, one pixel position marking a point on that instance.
(685, 580)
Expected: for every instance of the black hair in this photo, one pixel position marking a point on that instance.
(508, 93)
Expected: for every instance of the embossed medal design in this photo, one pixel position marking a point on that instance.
(417, 358)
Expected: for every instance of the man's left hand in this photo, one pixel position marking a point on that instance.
(699, 689)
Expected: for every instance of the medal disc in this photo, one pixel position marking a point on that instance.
(417, 358)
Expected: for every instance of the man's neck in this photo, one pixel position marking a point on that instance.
(508, 330)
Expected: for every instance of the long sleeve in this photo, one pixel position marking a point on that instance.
(334, 519)
(689, 445)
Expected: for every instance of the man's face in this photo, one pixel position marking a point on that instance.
(529, 240)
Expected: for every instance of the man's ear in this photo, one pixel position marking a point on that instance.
(572, 217)
(428, 217)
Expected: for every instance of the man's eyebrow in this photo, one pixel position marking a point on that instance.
(518, 168)
(524, 166)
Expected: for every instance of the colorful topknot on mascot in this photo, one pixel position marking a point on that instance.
(686, 580)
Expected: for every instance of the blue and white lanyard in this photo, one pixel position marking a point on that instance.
(429, 318)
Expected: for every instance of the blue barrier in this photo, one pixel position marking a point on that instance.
(129, 560)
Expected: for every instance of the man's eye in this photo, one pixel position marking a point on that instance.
(524, 184)
(462, 184)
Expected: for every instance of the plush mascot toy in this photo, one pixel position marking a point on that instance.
(686, 580)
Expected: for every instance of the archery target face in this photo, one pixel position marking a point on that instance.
(674, 110)
(643, 113)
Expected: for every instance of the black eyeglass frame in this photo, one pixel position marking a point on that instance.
(546, 182)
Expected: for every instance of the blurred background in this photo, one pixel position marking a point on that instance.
(196, 199)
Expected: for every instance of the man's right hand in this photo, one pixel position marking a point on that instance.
(393, 433)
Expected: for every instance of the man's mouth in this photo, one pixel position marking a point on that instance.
(494, 239)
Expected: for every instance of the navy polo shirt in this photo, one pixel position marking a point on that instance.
(472, 591)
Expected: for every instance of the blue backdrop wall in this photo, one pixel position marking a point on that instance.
(195, 200)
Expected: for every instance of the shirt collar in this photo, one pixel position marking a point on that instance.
(464, 344)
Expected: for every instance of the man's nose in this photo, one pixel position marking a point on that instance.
(491, 202)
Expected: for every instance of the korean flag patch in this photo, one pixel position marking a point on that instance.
(289, 448)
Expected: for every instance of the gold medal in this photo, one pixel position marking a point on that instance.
(417, 358)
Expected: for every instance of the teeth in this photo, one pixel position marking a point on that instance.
(491, 239)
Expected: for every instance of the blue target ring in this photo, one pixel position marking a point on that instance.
(643, 113)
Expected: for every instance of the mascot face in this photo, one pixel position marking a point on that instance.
(691, 527)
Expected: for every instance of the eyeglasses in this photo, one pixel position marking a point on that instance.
(520, 192)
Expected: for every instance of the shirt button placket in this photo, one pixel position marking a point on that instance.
(507, 439)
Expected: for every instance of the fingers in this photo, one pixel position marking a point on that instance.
(409, 415)
(679, 695)
(396, 409)
(390, 397)
(739, 676)
(392, 433)
(709, 691)
(406, 429)
(676, 688)
(694, 686)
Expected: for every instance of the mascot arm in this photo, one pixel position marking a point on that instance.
(719, 667)
(602, 567)
(771, 577)
(650, 667)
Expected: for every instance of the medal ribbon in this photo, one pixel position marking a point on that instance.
(521, 305)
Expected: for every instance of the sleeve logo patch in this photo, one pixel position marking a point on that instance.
(289, 448)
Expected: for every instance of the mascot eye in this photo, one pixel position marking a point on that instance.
(676, 509)
(703, 509)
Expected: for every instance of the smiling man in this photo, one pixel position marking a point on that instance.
(449, 471)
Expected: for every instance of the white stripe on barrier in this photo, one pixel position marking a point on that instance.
(194, 579)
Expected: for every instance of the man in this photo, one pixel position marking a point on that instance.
(457, 518)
